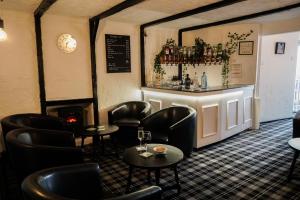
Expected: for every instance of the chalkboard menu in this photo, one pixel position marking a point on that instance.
(117, 53)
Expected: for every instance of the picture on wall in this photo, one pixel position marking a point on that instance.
(279, 47)
(246, 47)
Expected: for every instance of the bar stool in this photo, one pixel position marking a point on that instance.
(294, 144)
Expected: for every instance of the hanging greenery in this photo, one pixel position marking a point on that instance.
(230, 48)
(157, 68)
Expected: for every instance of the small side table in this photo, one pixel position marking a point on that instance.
(294, 144)
(154, 163)
(99, 131)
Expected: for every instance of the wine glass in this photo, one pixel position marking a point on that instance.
(146, 139)
(140, 136)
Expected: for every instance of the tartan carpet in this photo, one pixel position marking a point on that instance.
(251, 165)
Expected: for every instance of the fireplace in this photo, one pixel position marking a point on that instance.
(74, 117)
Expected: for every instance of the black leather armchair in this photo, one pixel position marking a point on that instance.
(31, 120)
(31, 150)
(127, 116)
(296, 125)
(174, 125)
(76, 182)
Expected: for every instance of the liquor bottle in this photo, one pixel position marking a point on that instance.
(209, 54)
(215, 53)
(171, 55)
(180, 58)
(167, 51)
(196, 81)
(204, 54)
(176, 55)
(204, 81)
(184, 55)
(187, 82)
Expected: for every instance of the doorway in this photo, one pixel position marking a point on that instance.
(296, 105)
(277, 75)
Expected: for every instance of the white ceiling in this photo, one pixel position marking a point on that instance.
(82, 8)
(235, 10)
(150, 10)
(20, 5)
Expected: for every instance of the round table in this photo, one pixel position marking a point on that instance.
(294, 144)
(97, 131)
(154, 163)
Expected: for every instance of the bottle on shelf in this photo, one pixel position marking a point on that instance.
(187, 82)
(204, 58)
(167, 52)
(171, 54)
(203, 81)
(195, 81)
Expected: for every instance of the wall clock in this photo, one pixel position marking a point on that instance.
(66, 43)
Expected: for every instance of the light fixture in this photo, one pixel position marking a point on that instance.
(3, 35)
(66, 43)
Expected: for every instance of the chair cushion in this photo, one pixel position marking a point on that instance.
(128, 122)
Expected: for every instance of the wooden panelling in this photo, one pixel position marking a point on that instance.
(232, 113)
(210, 120)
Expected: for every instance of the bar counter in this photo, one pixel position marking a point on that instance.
(221, 111)
(199, 90)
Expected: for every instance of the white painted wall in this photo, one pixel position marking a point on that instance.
(281, 26)
(114, 88)
(18, 65)
(277, 76)
(67, 76)
(18, 69)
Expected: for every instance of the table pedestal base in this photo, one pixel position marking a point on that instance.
(157, 179)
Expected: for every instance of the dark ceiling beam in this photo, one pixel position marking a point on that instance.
(194, 11)
(43, 7)
(38, 13)
(121, 6)
(241, 18)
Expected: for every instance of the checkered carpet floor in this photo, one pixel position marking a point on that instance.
(251, 165)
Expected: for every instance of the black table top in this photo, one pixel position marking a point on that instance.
(101, 130)
(172, 157)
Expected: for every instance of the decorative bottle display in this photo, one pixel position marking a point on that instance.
(187, 82)
(203, 81)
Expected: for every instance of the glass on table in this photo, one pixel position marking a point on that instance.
(140, 138)
(146, 139)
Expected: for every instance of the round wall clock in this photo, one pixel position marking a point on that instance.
(66, 43)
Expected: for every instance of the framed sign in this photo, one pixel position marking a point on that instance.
(117, 53)
(246, 47)
(279, 47)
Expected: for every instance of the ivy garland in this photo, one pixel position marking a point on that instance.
(230, 48)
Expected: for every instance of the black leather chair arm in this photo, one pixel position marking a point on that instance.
(182, 122)
(150, 193)
(116, 113)
(146, 111)
(153, 121)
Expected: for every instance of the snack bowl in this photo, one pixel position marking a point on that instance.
(160, 149)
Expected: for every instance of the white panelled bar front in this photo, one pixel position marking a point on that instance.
(221, 112)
